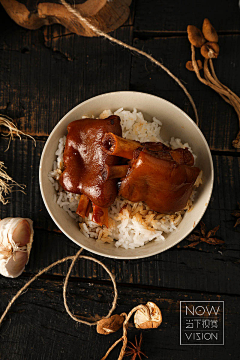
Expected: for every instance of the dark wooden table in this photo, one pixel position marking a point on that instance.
(43, 75)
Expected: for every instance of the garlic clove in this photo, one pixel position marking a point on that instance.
(15, 264)
(148, 317)
(16, 237)
(22, 233)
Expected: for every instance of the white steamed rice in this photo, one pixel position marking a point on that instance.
(130, 224)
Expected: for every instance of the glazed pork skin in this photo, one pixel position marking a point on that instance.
(84, 160)
(165, 186)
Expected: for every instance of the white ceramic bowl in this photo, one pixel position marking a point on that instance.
(175, 123)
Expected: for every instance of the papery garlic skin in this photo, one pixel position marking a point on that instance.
(148, 317)
(16, 237)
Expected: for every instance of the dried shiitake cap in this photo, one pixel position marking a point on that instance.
(148, 317)
(195, 36)
(189, 65)
(209, 32)
(110, 325)
(210, 50)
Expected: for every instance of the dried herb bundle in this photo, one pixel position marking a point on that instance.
(207, 41)
(6, 182)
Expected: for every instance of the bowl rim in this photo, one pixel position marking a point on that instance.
(120, 257)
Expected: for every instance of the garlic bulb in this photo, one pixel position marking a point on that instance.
(148, 317)
(16, 237)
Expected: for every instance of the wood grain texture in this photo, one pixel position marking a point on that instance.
(37, 326)
(218, 120)
(44, 65)
(175, 16)
(45, 73)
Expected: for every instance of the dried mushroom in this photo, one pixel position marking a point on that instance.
(148, 317)
(210, 50)
(209, 32)
(189, 65)
(33, 14)
(110, 325)
(195, 36)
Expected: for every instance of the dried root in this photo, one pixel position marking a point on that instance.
(6, 182)
(12, 129)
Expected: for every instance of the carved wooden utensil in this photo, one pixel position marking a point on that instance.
(107, 15)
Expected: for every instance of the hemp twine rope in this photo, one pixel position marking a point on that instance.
(132, 48)
(74, 258)
(124, 336)
(6, 181)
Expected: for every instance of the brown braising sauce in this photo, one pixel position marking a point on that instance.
(85, 160)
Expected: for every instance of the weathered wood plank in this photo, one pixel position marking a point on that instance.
(38, 327)
(204, 268)
(33, 90)
(218, 120)
(45, 73)
(175, 16)
(38, 86)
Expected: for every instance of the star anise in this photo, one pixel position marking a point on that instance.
(135, 350)
(200, 235)
(236, 213)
